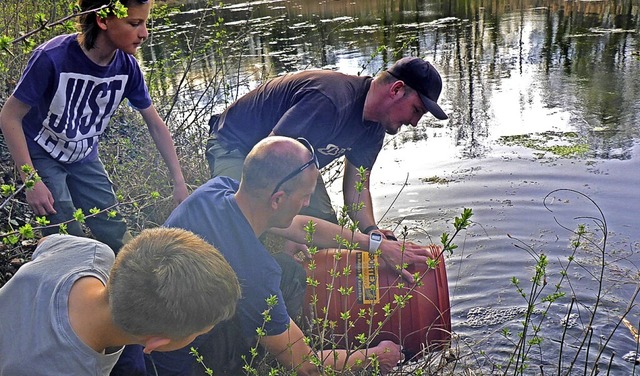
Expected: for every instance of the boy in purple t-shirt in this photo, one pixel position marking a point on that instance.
(63, 102)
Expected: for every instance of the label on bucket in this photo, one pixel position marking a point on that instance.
(367, 290)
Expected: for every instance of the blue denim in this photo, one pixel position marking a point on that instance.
(81, 185)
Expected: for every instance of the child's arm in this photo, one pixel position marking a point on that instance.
(39, 198)
(164, 143)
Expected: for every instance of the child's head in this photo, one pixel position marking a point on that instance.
(169, 282)
(88, 23)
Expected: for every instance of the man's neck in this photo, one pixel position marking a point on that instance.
(371, 102)
(253, 211)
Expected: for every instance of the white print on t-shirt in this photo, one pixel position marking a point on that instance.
(333, 150)
(79, 112)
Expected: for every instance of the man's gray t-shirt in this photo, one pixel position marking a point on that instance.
(36, 337)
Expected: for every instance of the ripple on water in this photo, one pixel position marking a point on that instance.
(484, 316)
(511, 228)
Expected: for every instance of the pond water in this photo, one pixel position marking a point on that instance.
(542, 96)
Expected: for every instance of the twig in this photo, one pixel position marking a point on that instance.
(395, 198)
(55, 23)
(14, 194)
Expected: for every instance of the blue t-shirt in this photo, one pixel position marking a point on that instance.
(212, 213)
(72, 99)
(324, 107)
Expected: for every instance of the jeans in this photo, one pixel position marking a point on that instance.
(81, 185)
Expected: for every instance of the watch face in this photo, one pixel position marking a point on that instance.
(376, 236)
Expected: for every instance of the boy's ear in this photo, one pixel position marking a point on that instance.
(153, 343)
(101, 22)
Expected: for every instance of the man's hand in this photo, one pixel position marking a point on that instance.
(40, 199)
(298, 251)
(388, 355)
(392, 254)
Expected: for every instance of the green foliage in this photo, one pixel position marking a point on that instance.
(42, 221)
(7, 189)
(200, 359)
(26, 231)
(115, 9)
(79, 216)
(5, 41)
(459, 224)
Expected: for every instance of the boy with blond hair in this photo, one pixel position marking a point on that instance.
(72, 308)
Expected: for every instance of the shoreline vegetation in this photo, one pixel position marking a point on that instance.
(144, 191)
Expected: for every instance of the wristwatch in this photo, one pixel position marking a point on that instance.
(375, 238)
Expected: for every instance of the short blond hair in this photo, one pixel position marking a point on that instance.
(170, 282)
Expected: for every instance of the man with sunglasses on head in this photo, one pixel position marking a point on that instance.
(278, 179)
(340, 115)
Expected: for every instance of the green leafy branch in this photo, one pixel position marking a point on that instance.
(459, 224)
(10, 191)
(28, 230)
(115, 7)
(248, 366)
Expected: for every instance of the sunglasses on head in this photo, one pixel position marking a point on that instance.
(313, 160)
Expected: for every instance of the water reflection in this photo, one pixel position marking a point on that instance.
(509, 67)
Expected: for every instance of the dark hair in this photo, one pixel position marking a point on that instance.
(87, 23)
(386, 79)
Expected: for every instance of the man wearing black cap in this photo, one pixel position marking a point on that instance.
(339, 114)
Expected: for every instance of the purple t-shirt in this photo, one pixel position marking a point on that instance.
(324, 107)
(72, 99)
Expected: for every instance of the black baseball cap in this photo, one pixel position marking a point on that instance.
(423, 78)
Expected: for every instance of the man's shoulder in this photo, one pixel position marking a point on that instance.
(325, 75)
(225, 182)
(218, 187)
(335, 88)
(211, 202)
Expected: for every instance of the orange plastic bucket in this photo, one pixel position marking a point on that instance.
(354, 295)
